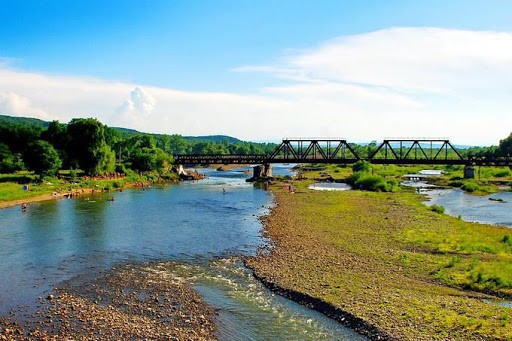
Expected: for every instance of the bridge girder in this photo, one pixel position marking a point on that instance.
(339, 151)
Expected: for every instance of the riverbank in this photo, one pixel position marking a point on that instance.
(14, 194)
(380, 258)
(131, 302)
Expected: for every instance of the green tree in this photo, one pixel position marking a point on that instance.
(505, 147)
(9, 162)
(42, 158)
(88, 148)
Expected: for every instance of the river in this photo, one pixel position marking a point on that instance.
(494, 209)
(197, 230)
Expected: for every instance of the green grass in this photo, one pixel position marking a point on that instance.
(11, 185)
(389, 259)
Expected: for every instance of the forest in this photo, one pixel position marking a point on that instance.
(88, 145)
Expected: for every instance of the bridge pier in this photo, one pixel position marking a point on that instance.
(469, 172)
(262, 171)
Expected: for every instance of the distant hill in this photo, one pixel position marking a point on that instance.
(24, 121)
(212, 138)
(124, 131)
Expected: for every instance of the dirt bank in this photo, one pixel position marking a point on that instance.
(132, 302)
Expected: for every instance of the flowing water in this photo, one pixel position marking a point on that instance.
(200, 229)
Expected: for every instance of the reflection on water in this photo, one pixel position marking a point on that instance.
(330, 186)
(497, 211)
(55, 240)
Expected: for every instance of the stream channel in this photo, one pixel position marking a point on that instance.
(193, 226)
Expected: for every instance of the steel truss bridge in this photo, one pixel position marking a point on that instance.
(338, 151)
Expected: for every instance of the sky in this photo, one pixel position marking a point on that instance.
(264, 70)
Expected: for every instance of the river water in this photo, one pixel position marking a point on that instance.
(494, 209)
(198, 230)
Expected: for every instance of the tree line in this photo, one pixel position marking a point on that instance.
(94, 148)
(88, 145)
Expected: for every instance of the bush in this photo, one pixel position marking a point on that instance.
(470, 187)
(120, 168)
(456, 183)
(361, 166)
(502, 173)
(437, 208)
(507, 240)
(372, 183)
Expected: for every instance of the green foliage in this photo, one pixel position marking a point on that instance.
(88, 147)
(505, 147)
(506, 239)
(361, 166)
(437, 208)
(42, 158)
(502, 173)
(9, 162)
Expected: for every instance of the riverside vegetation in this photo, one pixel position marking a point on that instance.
(408, 271)
(52, 157)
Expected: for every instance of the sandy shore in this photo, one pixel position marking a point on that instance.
(132, 302)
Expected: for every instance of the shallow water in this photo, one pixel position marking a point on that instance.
(474, 208)
(330, 186)
(195, 223)
(231, 289)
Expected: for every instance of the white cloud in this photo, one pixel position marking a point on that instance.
(14, 104)
(135, 109)
(396, 82)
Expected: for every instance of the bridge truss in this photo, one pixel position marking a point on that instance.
(314, 151)
(416, 151)
(339, 151)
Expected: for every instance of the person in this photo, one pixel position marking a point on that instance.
(23, 207)
(223, 191)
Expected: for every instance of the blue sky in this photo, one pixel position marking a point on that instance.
(157, 55)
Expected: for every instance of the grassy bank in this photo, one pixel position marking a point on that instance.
(388, 259)
(387, 177)
(12, 190)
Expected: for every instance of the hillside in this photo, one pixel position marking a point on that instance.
(28, 121)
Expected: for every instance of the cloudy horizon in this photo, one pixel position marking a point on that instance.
(396, 81)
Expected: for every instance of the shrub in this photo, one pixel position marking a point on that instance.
(361, 166)
(437, 208)
(507, 239)
(470, 187)
(371, 183)
(456, 183)
(120, 168)
(501, 173)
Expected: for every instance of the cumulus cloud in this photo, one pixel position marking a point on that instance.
(394, 82)
(135, 109)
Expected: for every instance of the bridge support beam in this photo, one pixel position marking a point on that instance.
(469, 172)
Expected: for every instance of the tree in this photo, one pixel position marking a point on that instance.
(505, 147)
(87, 146)
(42, 158)
(9, 162)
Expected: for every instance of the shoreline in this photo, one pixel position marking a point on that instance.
(341, 316)
(133, 301)
(45, 197)
(374, 294)
(74, 193)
